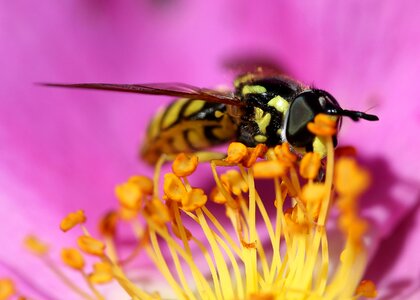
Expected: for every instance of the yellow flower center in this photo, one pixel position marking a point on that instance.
(275, 248)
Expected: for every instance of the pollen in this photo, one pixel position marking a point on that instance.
(284, 154)
(185, 164)
(91, 245)
(157, 212)
(367, 289)
(269, 169)
(194, 199)
(310, 165)
(129, 195)
(108, 223)
(102, 273)
(217, 197)
(236, 152)
(7, 288)
(234, 182)
(351, 180)
(72, 219)
(323, 125)
(36, 246)
(253, 154)
(72, 258)
(173, 187)
(144, 183)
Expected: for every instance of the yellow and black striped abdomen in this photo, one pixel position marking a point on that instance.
(187, 126)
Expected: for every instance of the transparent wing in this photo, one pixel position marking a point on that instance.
(167, 89)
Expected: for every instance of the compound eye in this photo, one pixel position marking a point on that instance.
(302, 110)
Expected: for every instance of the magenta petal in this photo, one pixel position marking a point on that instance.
(396, 266)
(63, 150)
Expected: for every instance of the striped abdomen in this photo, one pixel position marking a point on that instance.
(187, 126)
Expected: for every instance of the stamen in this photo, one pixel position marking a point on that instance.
(269, 169)
(173, 187)
(72, 219)
(185, 164)
(102, 273)
(260, 249)
(194, 200)
(236, 153)
(73, 258)
(367, 289)
(323, 125)
(310, 165)
(91, 245)
(7, 288)
(36, 246)
(129, 195)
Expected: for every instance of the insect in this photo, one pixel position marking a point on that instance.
(262, 109)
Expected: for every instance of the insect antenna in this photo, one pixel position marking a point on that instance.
(357, 115)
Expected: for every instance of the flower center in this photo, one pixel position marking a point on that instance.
(275, 248)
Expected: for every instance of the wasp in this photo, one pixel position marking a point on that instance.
(261, 109)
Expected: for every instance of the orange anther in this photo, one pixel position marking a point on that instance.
(323, 125)
(269, 169)
(234, 182)
(194, 199)
(144, 183)
(184, 164)
(36, 246)
(72, 219)
(236, 152)
(108, 223)
(254, 153)
(284, 154)
(367, 289)
(7, 288)
(312, 195)
(157, 212)
(127, 214)
(102, 273)
(129, 195)
(73, 258)
(350, 179)
(345, 151)
(91, 245)
(173, 187)
(309, 166)
(217, 196)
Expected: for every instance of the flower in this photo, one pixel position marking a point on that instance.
(56, 142)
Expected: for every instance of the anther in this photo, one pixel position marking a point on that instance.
(234, 182)
(91, 245)
(108, 223)
(72, 219)
(7, 288)
(157, 212)
(236, 152)
(144, 183)
(309, 166)
(350, 179)
(102, 273)
(185, 164)
(194, 199)
(173, 187)
(73, 258)
(323, 125)
(269, 169)
(129, 195)
(33, 244)
(367, 289)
